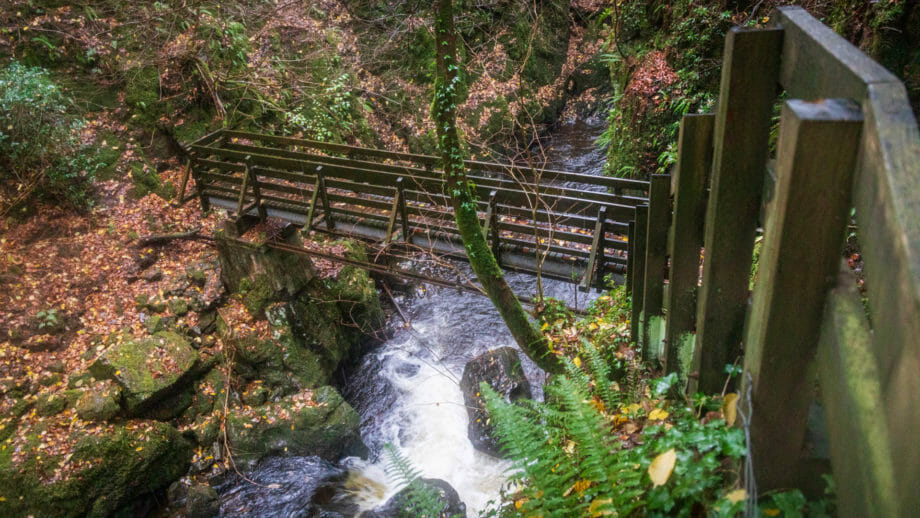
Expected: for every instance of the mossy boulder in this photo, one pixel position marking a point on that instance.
(148, 370)
(105, 470)
(99, 402)
(261, 275)
(320, 423)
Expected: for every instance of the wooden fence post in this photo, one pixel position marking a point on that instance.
(630, 243)
(491, 232)
(851, 390)
(308, 224)
(596, 259)
(749, 79)
(241, 201)
(256, 192)
(656, 263)
(694, 158)
(324, 197)
(638, 275)
(816, 159)
(403, 211)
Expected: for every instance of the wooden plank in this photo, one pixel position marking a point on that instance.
(638, 275)
(851, 390)
(816, 160)
(818, 63)
(887, 199)
(740, 136)
(242, 195)
(491, 232)
(656, 264)
(694, 159)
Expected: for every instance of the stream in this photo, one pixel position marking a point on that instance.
(407, 393)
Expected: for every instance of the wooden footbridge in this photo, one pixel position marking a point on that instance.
(562, 225)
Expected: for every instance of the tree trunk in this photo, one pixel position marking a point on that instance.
(490, 275)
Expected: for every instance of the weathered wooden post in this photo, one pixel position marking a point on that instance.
(694, 158)
(749, 84)
(256, 192)
(639, 275)
(308, 224)
(816, 158)
(630, 250)
(490, 232)
(656, 260)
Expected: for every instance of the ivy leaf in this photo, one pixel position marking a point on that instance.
(661, 468)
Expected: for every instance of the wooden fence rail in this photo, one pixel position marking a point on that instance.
(564, 225)
(847, 140)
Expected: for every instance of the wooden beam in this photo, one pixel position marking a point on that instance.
(401, 206)
(816, 160)
(742, 126)
(694, 159)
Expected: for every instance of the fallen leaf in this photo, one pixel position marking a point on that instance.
(730, 408)
(596, 507)
(736, 496)
(661, 468)
(657, 415)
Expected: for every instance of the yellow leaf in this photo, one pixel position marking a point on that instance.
(577, 361)
(730, 408)
(771, 512)
(660, 469)
(139, 448)
(519, 503)
(633, 408)
(657, 415)
(597, 507)
(736, 496)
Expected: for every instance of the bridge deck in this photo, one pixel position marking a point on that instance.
(565, 225)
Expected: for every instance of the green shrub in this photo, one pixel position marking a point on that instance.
(40, 151)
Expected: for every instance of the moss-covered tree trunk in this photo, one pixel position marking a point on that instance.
(480, 255)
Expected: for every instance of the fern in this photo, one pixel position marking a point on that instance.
(420, 499)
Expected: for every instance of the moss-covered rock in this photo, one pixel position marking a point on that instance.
(148, 370)
(106, 470)
(319, 423)
(262, 275)
(99, 402)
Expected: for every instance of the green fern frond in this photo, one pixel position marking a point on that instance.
(399, 468)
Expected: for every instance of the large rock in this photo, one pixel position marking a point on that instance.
(99, 402)
(149, 370)
(410, 502)
(501, 369)
(106, 469)
(320, 424)
(262, 275)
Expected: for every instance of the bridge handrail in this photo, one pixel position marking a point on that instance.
(434, 162)
(848, 138)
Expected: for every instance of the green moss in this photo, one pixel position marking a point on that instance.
(325, 426)
(112, 468)
(147, 370)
